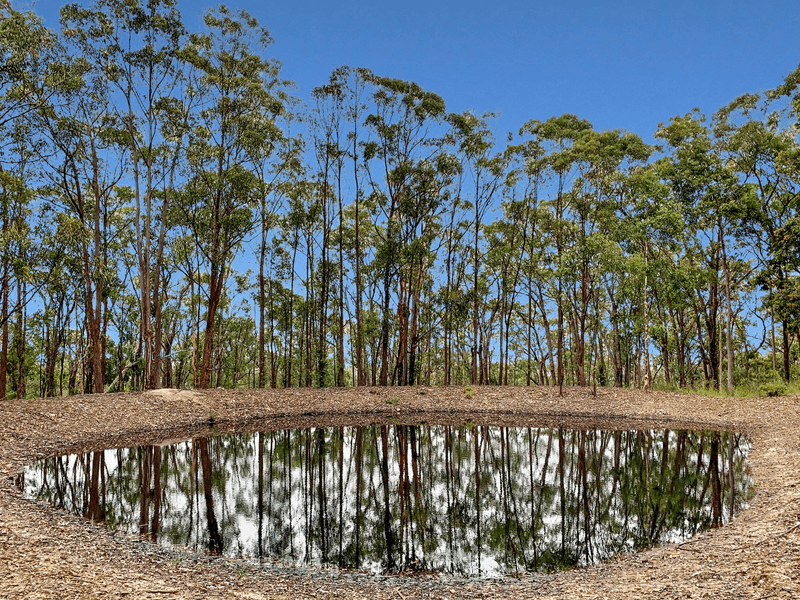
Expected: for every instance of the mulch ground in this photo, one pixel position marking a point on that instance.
(46, 553)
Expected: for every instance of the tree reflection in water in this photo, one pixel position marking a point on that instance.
(466, 500)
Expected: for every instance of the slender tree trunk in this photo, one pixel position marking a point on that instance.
(216, 281)
(772, 333)
(728, 309)
(786, 349)
(95, 315)
(401, 368)
(360, 351)
(5, 316)
(262, 363)
(262, 299)
(19, 338)
(385, 328)
(360, 354)
(475, 277)
(647, 375)
(157, 302)
(322, 349)
(548, 335)
(4, 291)
(340, 336)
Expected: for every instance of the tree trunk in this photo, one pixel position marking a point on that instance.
(216, 281)
(5, 316)
(261, 303)
(728, 310)
(786, 353)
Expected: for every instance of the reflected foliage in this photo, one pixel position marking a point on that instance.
(472, 500)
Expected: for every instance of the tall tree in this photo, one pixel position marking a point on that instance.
(241, 94)
(32, 69)
(558, 136)
(403, 114)
(475, 145)
(84, 167)
(710, 195)
(32, 72)
(327, 135)
(756, 139)
(136, 45)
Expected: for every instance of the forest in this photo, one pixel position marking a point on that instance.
(173, 215)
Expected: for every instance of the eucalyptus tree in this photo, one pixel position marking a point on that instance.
(19, 255)
(783, 271)
(475, 145)
(296, 235)
(783, 267)
(758, 139)
(601, 161)
(307, 218)
(268, 220)
(650, 225)
(136, 45)
(31, 66)
(239, 96)
(58, 300)
(328, 139)
(182, 315)
(356, 107)
(556, 137)
(529, 165)
(711, 197)
(507, 244)
(453, 299)
(420, 214)
(83, 167)
(277, 166)
(399, 155)
(337, 125)
(31, 73)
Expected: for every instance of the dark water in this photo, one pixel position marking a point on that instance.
(466, 500)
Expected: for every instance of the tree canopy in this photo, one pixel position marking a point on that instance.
(171, 215)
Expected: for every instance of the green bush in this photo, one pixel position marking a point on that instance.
(772, 389)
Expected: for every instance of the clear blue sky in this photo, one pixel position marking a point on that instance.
(620, 64)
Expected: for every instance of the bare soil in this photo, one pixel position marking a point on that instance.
(45, 553)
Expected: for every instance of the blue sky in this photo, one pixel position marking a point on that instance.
(620, 64)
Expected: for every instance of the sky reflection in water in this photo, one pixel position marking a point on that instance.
(394, 497)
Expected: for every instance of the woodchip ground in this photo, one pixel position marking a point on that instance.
(46, 553)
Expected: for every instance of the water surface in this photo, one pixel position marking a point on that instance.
(470, 500)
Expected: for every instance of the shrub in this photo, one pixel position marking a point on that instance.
(772, 389)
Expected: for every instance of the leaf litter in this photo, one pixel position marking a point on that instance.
(46, 553)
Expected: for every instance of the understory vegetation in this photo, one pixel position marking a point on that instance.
(171, 216)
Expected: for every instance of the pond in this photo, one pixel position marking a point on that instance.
(467, 500)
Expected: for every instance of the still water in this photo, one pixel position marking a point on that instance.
(469, 500)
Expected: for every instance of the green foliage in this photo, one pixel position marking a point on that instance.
(772, 389)
(139, 156)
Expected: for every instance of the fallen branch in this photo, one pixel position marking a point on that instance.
(120, 379)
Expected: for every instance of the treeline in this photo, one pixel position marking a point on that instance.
(172, 216)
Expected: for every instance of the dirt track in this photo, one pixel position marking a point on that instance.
(48, 554)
